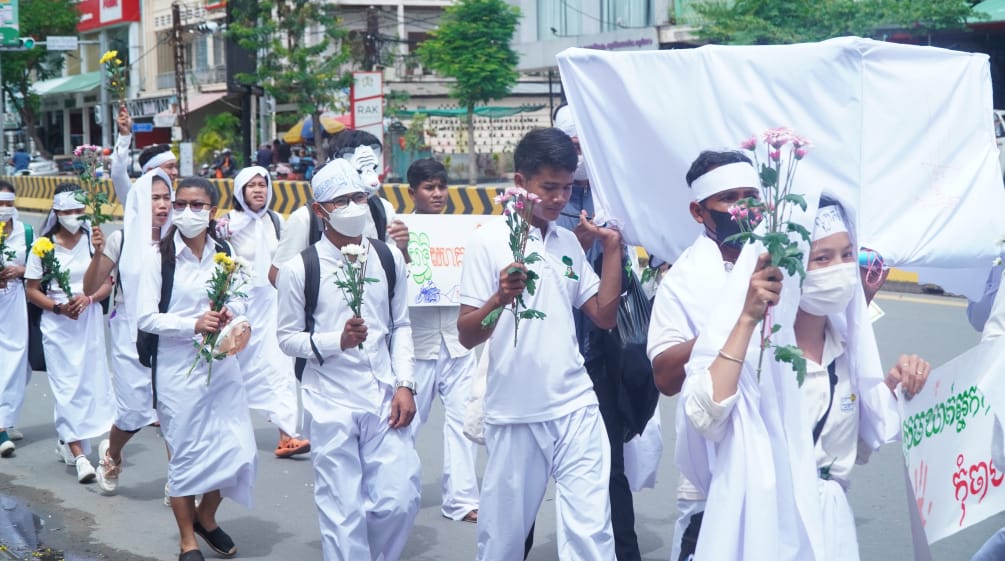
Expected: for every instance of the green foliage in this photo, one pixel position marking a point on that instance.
(762, 22)
(794, 357)
(472, 46)
(301, 56)
(220, 131)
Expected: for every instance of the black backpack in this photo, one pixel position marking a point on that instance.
(312, 285)
(147, 343)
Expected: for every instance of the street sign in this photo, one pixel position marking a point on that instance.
(10, 29)
(143, 127)
(61, 42)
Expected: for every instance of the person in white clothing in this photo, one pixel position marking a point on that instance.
(686, 297)
(204, 418)
(541, 413)
(14, 370)
(303, 227)
(253, 231)
(73, 332)
(443, 366)
(156, 156)
(358, 382)
(843, 402)
(148, 210)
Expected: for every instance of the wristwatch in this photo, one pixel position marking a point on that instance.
(408, 384)
(57, 309)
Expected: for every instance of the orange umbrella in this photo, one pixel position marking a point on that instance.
(303, 131)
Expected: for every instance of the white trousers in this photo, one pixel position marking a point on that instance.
(366, 480)
(450, 378)
(573, 450)
(685, 510)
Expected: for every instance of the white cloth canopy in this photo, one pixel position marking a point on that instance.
(902, 134)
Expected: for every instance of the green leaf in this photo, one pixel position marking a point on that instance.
(514, 270)
(769, 176)
(531, 314)
(799, 229)
(795, 198)
(776, 328)
(742, 237)
(534, 257)
(491, 319)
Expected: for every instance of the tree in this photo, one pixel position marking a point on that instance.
(301, 55)
(39, 19)
(220, 131)
(760, 22)
(472, 46)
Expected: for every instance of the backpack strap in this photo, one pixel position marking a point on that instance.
(317, 228)
(275, 223)
(167, 287)
(312, 286)
(379, 214)
(29, 236)
(832, 379)
(387, 262)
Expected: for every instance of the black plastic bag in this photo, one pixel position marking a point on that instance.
(36, 356)
(638, 395)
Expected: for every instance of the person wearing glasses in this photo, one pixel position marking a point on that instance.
(204, 418)
(73, 336)
(148, 210)
(253, 230)
(358, 382)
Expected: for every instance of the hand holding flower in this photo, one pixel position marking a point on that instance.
(353, 334)
(97, 240)
(209, 322)
(512, 283)
(764, 290)
(76, 306)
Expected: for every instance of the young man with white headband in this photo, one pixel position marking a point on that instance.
(156, 156)
(358, 383)
(686, 296)
(254, 231)
(848, 405)
(14, 370)
(73, 334)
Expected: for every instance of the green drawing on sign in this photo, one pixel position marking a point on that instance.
(418, 251)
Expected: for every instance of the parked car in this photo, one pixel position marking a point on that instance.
(40, 166)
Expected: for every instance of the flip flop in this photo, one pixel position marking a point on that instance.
(217, 539)
(471, 517)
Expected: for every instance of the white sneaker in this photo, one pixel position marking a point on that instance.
(85, 471)
(108, 470)
(63, 451)
(15, 434)
(6, 448)
(167, 496)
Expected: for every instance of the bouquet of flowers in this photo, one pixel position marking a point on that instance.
(353, 278)
(88, 159)
(51, 270)
(518, 207)
(116, 74)
(6, 254)
(777, 174)
(228, 278)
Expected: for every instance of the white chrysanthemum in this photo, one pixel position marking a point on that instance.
(353, 250)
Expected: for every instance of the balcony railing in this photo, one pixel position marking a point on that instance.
(196, 77)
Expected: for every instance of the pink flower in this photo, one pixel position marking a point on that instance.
(778, 136)
(744, 213)
(800, 153)
(500, 199)
(533, 198)
(507, 211)
(775, 155)
(734, 211)
(801, 142)
(515, 191)
(519, 205)
(750, 143)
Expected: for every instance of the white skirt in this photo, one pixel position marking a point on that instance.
(14, 370)
(78, 374)
(134, 403)
(207, 427)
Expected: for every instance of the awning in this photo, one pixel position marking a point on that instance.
(43, 87)
(169, 117)
(78, 83)
(492, 112)
(995, 9)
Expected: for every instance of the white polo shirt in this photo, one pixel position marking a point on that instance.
(542, 377)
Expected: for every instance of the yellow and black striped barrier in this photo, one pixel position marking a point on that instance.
(35, 194)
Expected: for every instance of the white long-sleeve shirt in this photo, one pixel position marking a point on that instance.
(352, 377)
(119, 168)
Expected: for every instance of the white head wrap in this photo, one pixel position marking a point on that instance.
(67, 200)
(828, 221)
(156, 161)
(6, 196)
(723, 178)
(338, 177)
(564, 122)
(261, 224)
(136, 239)
(242, 179)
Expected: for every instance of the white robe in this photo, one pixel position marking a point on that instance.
(14, 370)
(206, 425)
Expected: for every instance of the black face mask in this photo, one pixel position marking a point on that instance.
(725, 227)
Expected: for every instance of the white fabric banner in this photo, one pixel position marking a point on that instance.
(948, 430)
(903, 137)
(436, 247)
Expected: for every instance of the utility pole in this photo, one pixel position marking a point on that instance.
(181, 90)
(371, 41)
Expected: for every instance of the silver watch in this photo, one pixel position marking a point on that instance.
(410, 385)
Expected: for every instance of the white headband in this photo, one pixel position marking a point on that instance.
(156, 161)
(564, 122)
(828, 222)
(338, 177)
(67, 200)
(723, 178)
(6, 196)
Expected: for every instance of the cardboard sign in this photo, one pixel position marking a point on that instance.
(436, 247)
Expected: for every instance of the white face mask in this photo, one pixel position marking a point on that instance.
(582, 172)
(70, 222)
(350, 220)
(190, 223)
(7, 213)
(829, 290)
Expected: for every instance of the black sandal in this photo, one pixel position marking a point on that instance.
(194, 555)
(217, 539)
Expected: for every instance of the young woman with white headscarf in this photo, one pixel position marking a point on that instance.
(253, 231)
(14, 369)
(73, 334)
(204, 419)
(120, 256)
(847, 409)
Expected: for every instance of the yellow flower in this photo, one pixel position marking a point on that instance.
(225, 260)
(118, 62)
(110, 55)
(42, 246)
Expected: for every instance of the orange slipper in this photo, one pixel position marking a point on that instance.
(289, 447)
